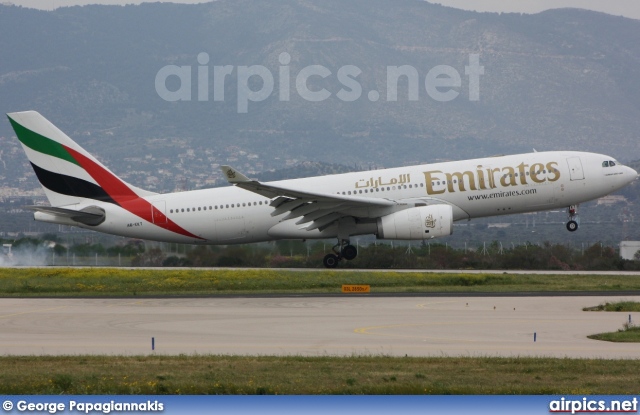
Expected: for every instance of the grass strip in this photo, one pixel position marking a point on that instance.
(213, 374)
(617, 306)
(102, 282)
(627, 334)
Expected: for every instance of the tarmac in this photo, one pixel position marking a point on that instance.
(315, 326)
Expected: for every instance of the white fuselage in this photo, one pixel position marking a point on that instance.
(474, 188)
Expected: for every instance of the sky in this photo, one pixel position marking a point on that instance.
(627, 8)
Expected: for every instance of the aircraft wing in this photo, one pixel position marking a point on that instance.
(316, 210)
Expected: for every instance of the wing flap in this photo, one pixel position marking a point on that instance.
(323, 221)
(314, 215)
(310, 208)
(287, 206)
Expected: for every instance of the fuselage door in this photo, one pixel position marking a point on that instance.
(231, 229)
(158, 210)
(575, 168)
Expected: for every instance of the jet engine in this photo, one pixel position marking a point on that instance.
(417, 223)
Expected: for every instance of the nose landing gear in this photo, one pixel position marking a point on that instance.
(572, 212)
(342, 250)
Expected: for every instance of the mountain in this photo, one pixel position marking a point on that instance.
(562, 79)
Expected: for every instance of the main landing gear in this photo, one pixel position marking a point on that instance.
(572, 212)
(342, 250)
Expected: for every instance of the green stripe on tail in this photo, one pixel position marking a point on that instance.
(41, 144)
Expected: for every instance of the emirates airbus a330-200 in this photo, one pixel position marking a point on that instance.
(405, 203)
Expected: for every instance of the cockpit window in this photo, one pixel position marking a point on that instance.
(612, 163)
(605, 164)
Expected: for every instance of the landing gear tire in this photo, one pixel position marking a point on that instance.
(572, 213)
(349, 252)
(331, 261)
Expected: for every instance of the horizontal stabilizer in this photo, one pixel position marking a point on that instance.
(91, 215)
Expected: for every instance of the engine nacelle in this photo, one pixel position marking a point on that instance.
(418, 223)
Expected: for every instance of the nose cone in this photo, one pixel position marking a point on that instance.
(630, 174)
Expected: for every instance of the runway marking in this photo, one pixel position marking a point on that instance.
(34, 311)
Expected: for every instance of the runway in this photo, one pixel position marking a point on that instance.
(311, 326)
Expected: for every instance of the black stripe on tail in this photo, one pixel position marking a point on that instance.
(71, 186)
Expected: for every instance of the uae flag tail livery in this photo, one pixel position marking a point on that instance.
(78, 186)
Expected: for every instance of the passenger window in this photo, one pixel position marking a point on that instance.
(183, 209)
(171, 211)
(227, 206)
(199, 209)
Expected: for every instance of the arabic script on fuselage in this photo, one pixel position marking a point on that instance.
(402, 179)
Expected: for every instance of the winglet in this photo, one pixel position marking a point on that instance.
(233, 176)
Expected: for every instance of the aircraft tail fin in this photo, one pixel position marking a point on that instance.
(68, 174)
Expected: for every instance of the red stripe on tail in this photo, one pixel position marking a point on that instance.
(125, 197)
